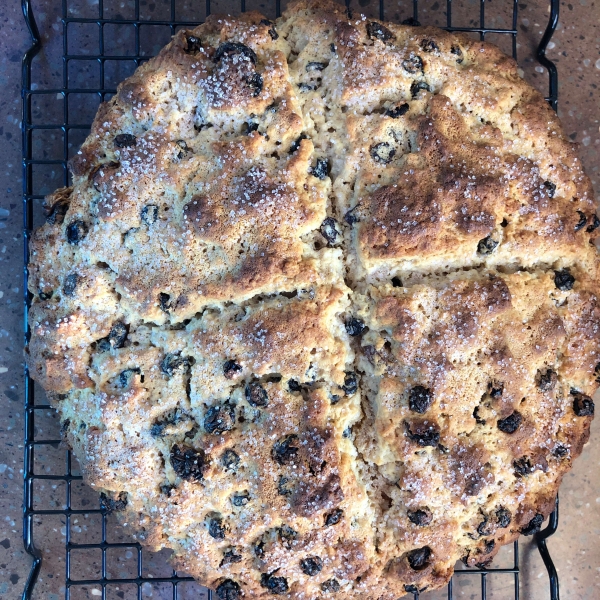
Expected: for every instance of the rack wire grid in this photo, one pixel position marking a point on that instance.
(126, 36)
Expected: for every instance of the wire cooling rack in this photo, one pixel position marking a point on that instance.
(103, 41)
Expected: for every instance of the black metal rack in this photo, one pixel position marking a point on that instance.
(74, 88)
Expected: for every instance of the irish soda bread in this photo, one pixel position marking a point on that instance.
(320, 309)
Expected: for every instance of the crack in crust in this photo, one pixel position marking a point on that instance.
(320, 310)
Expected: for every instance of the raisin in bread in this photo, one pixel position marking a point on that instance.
(320, 310)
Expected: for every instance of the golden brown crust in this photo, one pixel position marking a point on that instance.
(320, 310)
(471, 408)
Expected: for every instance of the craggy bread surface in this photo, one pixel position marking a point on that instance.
(319, 311)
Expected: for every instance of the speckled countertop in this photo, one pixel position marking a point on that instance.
(575, 547)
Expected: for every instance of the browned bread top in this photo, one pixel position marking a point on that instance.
(319, 311)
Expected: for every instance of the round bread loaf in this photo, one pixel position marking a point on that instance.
(320, 310)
